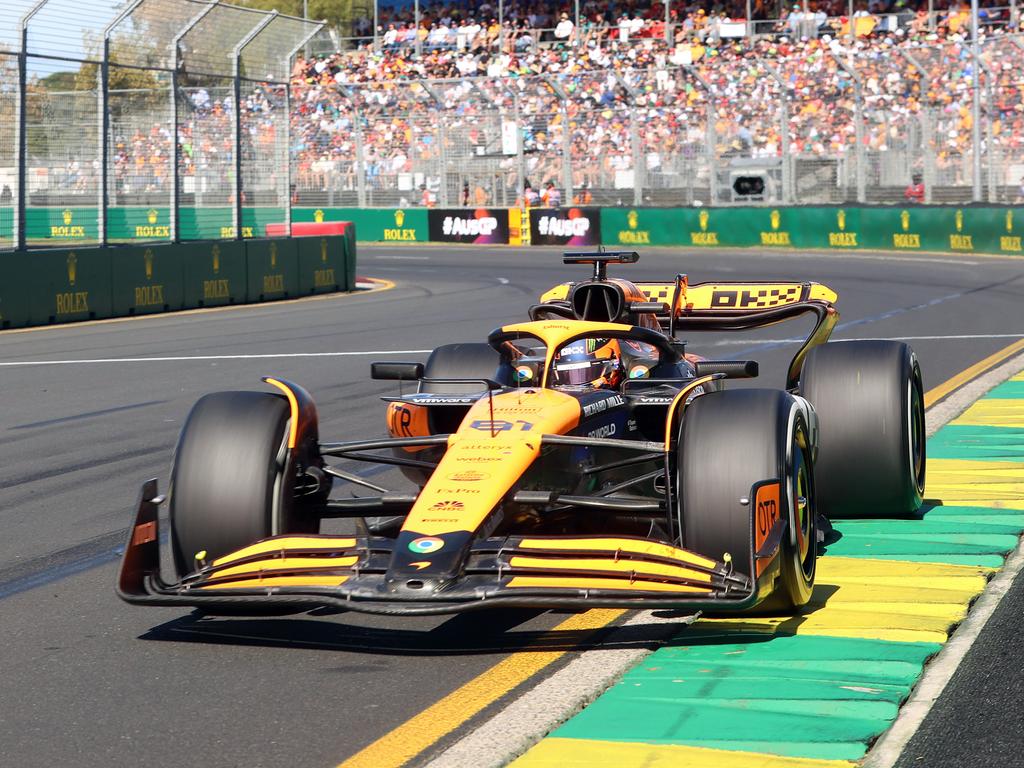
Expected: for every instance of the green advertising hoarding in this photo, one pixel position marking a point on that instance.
(374, 225)
(15, 278)
(69, 284)
(914, 228)
(323, 264)
(146, 279)
(214, 273)
(273, 269)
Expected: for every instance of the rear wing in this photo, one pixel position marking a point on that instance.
(747, 296)
(734, 306)
(736, 297)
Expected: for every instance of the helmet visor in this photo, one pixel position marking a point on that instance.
(576, 372)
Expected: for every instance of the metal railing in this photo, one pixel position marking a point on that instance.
(118, 120)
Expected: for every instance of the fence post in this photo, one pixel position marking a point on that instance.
(928, 167)
(104, 101)
(787, 167)
(288, 157)
(636, 150)
(990, 191)
(358, 164)
(175, 154)
(19, 218)
(104, 121)
(303, 45)
(236, 212)
(709, 141)
(858, 116)
(237, 77)
(520, 160)
(638, 164)
(566, 155)
(975, 105)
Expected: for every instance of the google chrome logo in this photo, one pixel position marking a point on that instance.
(425, 545)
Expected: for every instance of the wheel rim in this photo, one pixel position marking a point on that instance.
(803, 506)
(916, 430)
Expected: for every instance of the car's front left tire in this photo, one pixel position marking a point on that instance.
(229, 484)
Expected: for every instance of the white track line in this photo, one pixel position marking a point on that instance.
(279, 355)
(954, 337)
(189, 358)
(553, 700)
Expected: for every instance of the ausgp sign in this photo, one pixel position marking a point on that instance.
(558, 227)
(462, 227)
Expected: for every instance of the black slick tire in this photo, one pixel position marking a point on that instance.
(869, 400)
(729, 441)
(461, 361)
(228, 486)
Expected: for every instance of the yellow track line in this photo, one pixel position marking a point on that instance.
(945, 388)
(384, 285)
(417, 734)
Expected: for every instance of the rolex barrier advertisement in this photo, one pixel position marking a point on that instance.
(77, 225)
(374, 225)
(68, 284)
(913, 228)
(146, 279)
(273, 269)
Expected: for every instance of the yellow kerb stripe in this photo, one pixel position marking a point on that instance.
(937, 393)
(584, 753)
(412, 737)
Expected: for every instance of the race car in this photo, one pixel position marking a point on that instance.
(581, 459)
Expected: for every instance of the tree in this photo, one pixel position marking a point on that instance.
(339, 14)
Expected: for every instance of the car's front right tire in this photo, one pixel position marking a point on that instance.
(729, 441)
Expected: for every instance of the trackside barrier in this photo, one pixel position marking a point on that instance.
(72, 284)
(973, 229)
(913, 228)
(893, 228)
(146, 279)
(375, 225)
(272, 267)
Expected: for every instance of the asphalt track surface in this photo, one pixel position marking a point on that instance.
(88, 680)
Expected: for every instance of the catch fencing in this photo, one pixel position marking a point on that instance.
(146, 120)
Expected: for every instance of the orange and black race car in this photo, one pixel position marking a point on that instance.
(581, 459)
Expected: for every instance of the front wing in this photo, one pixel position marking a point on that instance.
(302, 572)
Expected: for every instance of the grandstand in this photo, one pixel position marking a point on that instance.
(664, 109)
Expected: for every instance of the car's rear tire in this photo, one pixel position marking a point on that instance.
(461, 361)
(869, 400)
(228, 485)
(729, 441)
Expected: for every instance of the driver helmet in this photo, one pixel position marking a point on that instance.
(588, 362)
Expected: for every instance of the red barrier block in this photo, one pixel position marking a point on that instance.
(309, 228)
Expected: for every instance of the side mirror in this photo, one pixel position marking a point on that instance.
(733, 369)
(396, 371)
